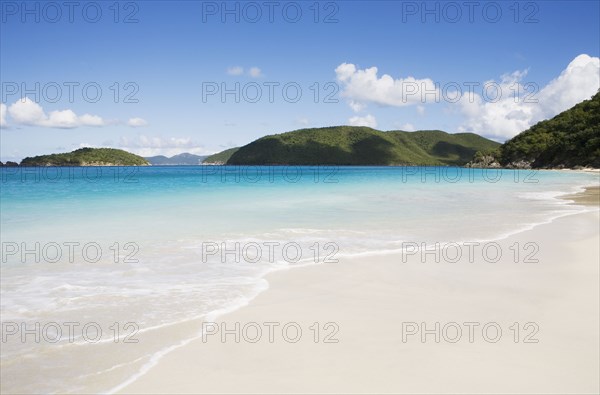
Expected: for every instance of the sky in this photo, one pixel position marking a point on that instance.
(162, 78)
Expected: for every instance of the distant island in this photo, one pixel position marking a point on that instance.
(184, 159)
(88, 157)
(357, 145)
(569, 140)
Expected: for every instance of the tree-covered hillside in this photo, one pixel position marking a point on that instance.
(572, 138)
(353, 145)
(221, 157)
(87, 157)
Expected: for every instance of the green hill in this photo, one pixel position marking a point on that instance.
(572, 138)
(221, 157)
(87, 157)
(353, 145)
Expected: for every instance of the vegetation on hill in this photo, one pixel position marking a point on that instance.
(220, 158)
(87, 157)
(354, 145)
(572, 138)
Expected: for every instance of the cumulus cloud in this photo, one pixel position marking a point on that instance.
(407, 127)
(235, 70)
(509, 107)
(151, 146)
(255, 72)
(3, 110)
(367, 120)
(91, 120)
(510, 114)
(579, 81)
(65, 119)
(137, 122)
(356, 106)
(365, 86)
(28, 112)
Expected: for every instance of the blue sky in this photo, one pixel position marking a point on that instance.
(172, 52)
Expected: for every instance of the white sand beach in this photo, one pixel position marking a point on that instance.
(374, 300)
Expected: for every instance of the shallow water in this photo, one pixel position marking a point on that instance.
(127, 252)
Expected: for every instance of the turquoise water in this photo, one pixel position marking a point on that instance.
(145, 230)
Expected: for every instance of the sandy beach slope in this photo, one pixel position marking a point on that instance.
(376, 303)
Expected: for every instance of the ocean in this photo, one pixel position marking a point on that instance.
(106, 269)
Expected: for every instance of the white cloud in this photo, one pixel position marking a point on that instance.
(368, 120)
(364, 86)
(27, 112)
(579, 81)
(91, 120)
(408, 127)
(87, 145)
(255, 72)
(302, 121)
(515, 110)
(3, 110)
(65, 119)
(510, 115)
(356, 106)
(137, 122)
(235, 70)
(151, 146)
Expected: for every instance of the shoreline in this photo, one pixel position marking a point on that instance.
(582, 170)
(281, 284)
(589, 197)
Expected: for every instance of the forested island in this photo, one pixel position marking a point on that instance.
(87, 157)
(357, 145)
(569, 140)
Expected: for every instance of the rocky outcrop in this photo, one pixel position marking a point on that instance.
(484, 161)
(520, 164)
